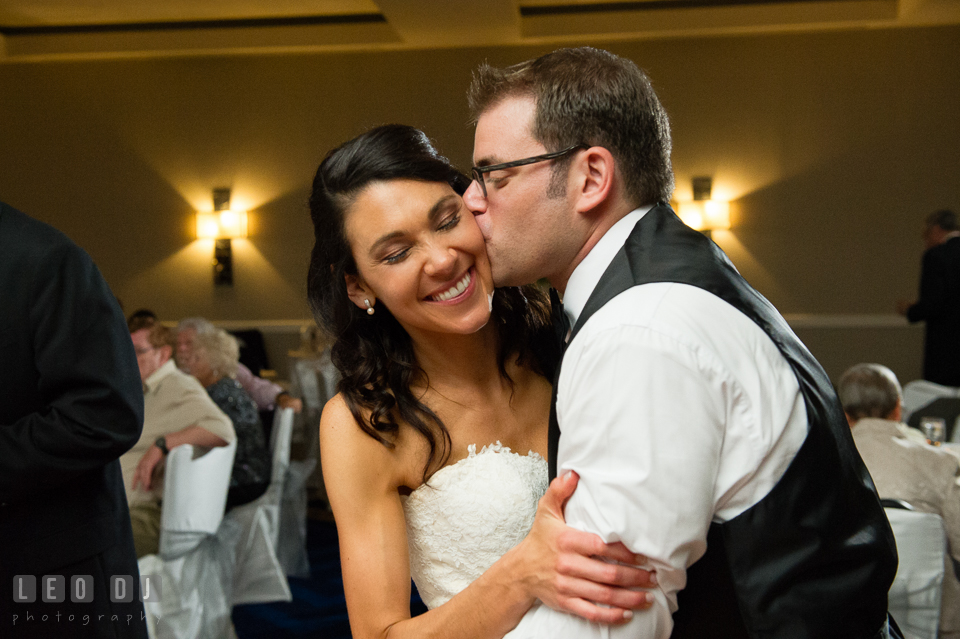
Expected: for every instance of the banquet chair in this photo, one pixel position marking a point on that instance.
(914, 597)
(920, 392)
(315, 379)
(259, 577)
(195, 555)
(292, 537)
(947, 408)
(287, 498)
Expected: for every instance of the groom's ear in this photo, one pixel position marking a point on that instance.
(595, 180)
(358, 291)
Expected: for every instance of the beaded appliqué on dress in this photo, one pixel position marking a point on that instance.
(468, 515)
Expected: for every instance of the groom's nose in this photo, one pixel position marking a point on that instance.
(473, 198)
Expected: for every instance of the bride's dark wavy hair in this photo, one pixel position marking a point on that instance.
(373, 353)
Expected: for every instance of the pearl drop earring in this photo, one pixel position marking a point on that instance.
(370, 310)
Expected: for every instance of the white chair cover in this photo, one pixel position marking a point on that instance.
(189, 514)
(292, 543)
(920, 392)
(315, 379)
(196, 549)
(307, 385)
(195, 589)
(280, 438)
(259, 577)
(914, 598)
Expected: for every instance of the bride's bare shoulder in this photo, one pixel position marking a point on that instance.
(345, 445)
(336, 417)
(339, 428)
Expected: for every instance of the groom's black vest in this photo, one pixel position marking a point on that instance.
(816, 556)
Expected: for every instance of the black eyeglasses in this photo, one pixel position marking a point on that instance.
(479, 171)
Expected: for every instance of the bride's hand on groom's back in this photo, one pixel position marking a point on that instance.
(571, 570)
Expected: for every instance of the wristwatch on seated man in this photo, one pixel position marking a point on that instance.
(161, 443)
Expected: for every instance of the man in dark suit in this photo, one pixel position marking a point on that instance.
(71, 405)
(939, 303)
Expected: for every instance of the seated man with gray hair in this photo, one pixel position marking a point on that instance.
(925, 476)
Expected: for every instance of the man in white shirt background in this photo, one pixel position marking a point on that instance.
(683, 401)
(905, 467)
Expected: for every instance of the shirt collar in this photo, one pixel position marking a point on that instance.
(884, 427)
(153, 381)
(586, 275)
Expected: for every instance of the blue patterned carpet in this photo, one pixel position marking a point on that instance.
(318, 609)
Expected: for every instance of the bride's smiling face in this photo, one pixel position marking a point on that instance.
(420, 253)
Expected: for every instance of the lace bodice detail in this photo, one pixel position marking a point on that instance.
(468, 515)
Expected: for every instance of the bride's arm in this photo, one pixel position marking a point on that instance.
(362, 479)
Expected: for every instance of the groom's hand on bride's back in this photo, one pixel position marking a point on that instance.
(574, 571)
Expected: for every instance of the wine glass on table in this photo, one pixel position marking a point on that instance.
(934, 429)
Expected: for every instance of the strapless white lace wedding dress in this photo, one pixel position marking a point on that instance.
(468, 515)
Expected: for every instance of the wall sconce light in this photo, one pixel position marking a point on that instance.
(703, 213)
(222, 225)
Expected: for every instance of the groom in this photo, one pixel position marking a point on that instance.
(705, 435)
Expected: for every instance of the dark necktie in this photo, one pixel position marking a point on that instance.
(561, 323)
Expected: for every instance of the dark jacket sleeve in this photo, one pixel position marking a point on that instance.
(75, 399)
(933, 288)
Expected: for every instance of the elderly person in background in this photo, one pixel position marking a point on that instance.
(265, 393)
(926, 477)
(177, 411)
(213, 360)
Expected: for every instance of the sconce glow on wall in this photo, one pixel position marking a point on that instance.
(222, 225)
(703, 213)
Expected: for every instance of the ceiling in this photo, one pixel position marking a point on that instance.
(57, 29)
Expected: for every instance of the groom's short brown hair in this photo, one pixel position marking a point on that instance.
(590, 96)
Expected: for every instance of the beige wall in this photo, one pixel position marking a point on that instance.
(831, 146)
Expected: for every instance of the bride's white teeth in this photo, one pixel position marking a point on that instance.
(454, 290)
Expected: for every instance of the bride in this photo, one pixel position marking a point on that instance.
(432, 452)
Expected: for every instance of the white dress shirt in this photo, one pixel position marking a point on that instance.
(676, 410)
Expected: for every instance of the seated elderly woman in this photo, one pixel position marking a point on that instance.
(213, 362)
(265, 393)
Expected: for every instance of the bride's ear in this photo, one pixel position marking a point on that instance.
(358, 292)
